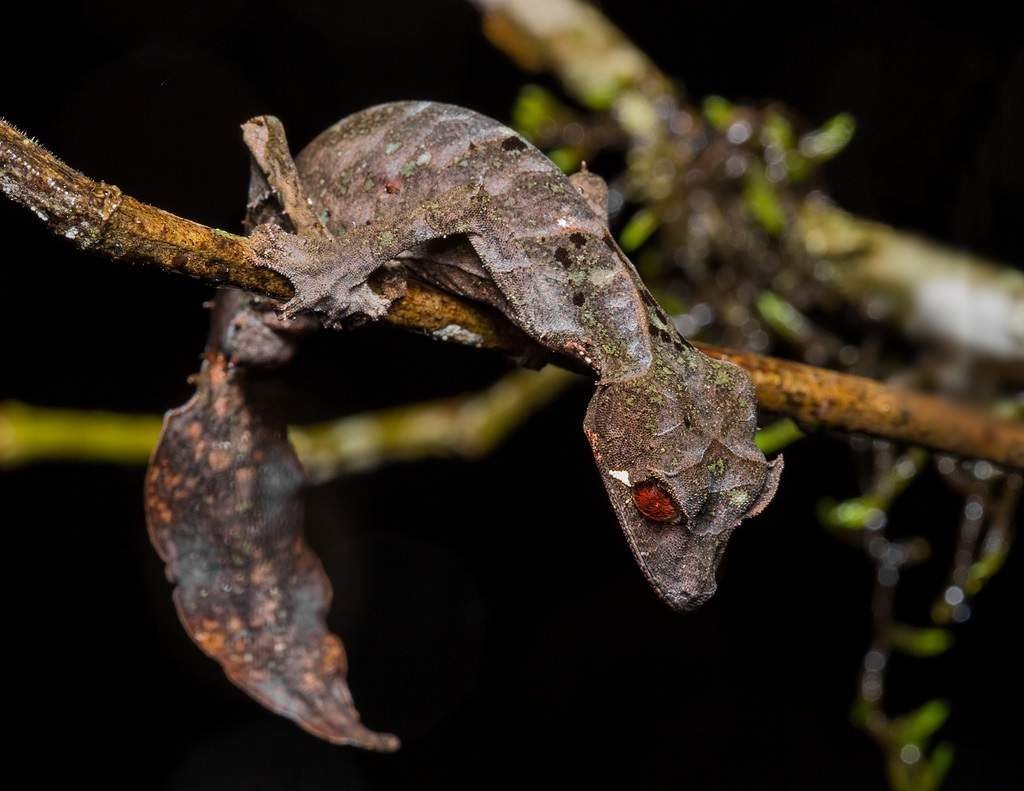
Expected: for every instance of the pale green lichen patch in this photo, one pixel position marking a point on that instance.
(738, 497)
(577, 277)
(601, 277)
(720, 375)
(413, 165)
(656, 320)
(716, 467)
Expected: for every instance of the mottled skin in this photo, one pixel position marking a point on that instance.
(446, 195)
(224, 510)
(467, 203)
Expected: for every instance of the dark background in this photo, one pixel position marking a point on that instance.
(493, 615)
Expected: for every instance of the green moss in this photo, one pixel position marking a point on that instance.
(762, 202)
(568, 158)
(829, 139)
(638, 230)
(718, 112)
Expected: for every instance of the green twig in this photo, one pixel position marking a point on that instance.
(466, 426)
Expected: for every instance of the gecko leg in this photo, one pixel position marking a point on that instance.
(330, 275)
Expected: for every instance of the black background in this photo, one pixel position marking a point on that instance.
(493, 615)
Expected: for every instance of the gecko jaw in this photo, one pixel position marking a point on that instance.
(677, 562)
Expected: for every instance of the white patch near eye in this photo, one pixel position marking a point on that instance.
(620, 475)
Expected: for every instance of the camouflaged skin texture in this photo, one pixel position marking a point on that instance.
(224, 510)
(392, 179)
(468, 204)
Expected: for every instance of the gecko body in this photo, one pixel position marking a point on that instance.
(449, 196)
(467, 203)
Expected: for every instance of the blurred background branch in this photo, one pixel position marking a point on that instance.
(678, 156)
(466, 426)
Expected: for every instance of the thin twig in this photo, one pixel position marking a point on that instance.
(467, 426)
(99, 217)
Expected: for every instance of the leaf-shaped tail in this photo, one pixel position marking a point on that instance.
(224, 509)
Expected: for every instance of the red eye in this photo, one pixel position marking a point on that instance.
(653, 501)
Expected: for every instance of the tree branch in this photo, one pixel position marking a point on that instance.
(97, 216)
(821, 397)
(467, 426)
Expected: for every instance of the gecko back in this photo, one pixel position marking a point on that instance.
(671, 429)
(537, 251)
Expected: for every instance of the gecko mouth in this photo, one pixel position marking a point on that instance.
(679, 563)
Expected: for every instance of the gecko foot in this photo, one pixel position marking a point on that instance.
(322, 273)
(340, 304)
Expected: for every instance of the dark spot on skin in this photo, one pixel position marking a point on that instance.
(679, 343)
(664, 335)
(513, 143)
(563, 257)
(609, 242)
(579, 298)
(179, 261)
(648, 299)
(578, 239)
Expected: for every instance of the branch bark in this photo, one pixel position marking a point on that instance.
(98, 217)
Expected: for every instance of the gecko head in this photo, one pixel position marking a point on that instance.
(681, 473)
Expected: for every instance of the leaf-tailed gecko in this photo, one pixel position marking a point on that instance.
(452, 197)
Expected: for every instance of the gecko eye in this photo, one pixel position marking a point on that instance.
(651, 499)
